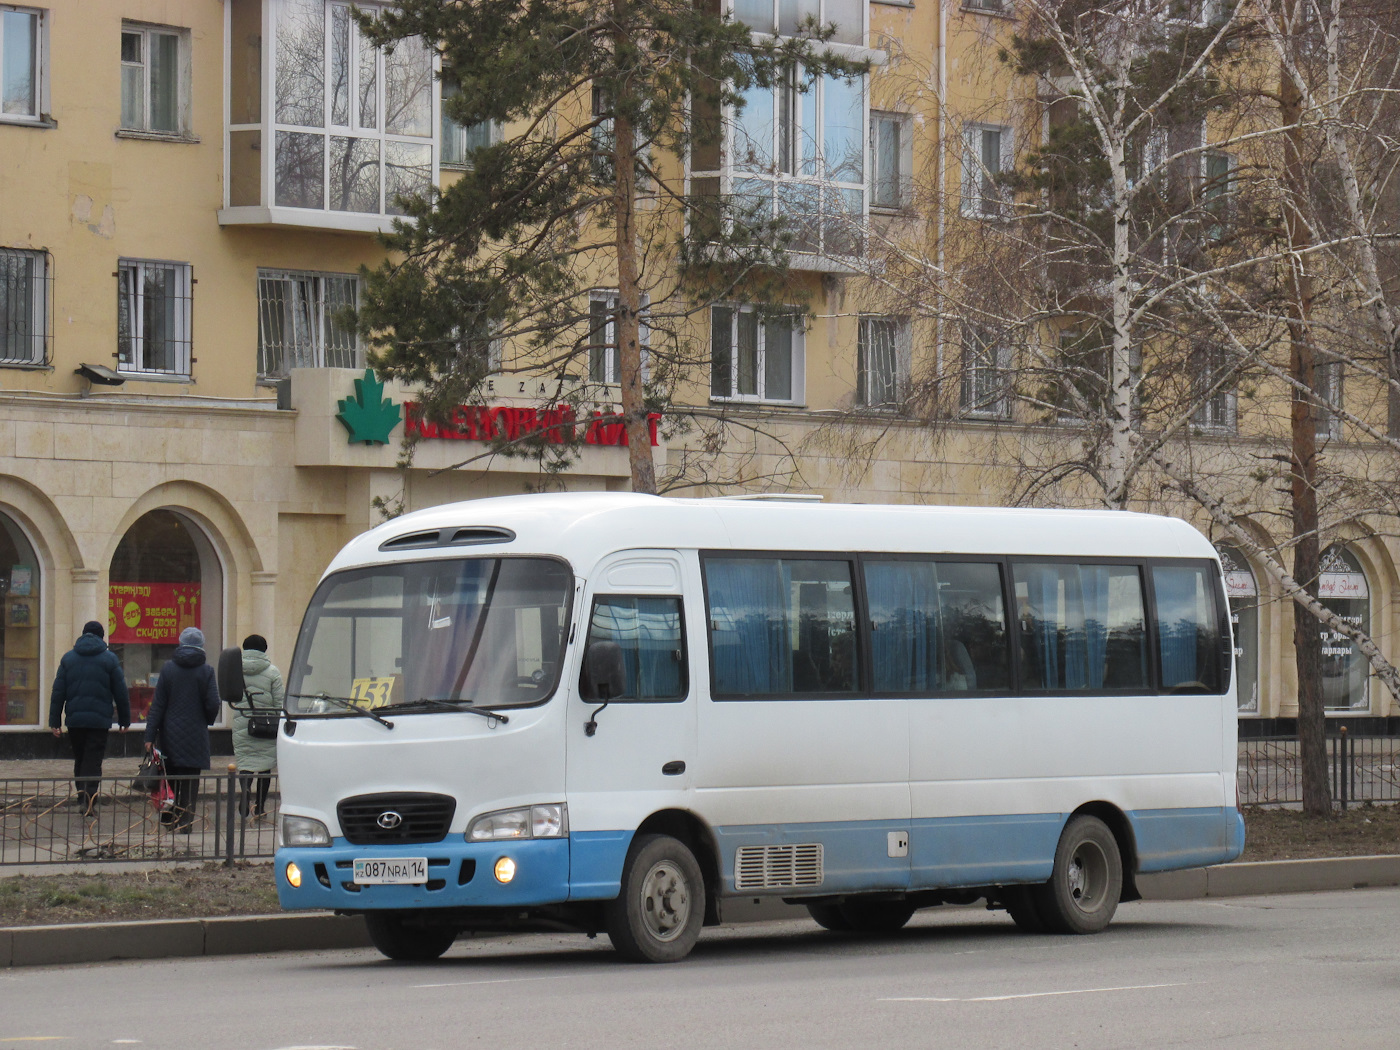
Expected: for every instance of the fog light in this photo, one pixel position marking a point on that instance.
(294, 876)
(505, 869)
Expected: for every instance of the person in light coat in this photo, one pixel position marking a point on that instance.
(256, 757)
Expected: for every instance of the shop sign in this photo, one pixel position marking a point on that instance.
(559, 425)
(151, 613)
(1342, 585)
(1239, 584)
(368, 417)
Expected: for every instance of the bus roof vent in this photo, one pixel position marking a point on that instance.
(447, 538)
(411, 541)
(480, 534)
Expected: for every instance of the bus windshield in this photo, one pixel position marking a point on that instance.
(489, 632)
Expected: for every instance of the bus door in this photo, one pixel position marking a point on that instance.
(633, 756)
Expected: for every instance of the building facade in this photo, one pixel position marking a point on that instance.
(187, 194)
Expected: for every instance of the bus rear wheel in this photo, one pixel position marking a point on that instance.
(658, 914)
(1020, 904)
(407, 942)
(876, 916)
(830, 917)
(1086, 882)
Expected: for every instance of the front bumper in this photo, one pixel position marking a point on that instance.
(459, 876)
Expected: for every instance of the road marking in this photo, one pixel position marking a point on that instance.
(1029, 995)
(503, 980)
(316, 1048)
(31, 1038)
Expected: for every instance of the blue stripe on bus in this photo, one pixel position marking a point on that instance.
(943, 851)
(1186, 838)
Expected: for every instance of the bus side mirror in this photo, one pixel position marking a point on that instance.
(604, 673)
(230, 675)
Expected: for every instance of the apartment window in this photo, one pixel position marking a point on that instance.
(459, 141)
(1328, 386)
(26, 306)
(302, 321)
(984, 379)
(603, 362)
(799, 154)
(153, 317)
(891, 160)
(352, 124)
(789, 17)
(754, 356)
(986, 155)
(21, 63)
(991, 6)
(1216, 188)
(154, 79)
(882, 361)
(1212, 375)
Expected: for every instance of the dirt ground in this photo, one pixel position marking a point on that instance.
(29, 900)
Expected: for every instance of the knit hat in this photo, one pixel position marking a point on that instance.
(255, 641)
(192, 636)
(93, 627)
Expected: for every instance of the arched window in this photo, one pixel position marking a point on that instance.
(164, 577)
(1343, 589)
(1243, 593)
(20, 687)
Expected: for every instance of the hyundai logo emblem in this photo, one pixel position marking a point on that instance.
(389, 820)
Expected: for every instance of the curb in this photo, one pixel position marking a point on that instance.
(247, 935)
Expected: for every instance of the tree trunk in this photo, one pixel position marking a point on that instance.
(627, 323)
(1307, 638)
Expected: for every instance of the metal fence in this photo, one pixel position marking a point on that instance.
(1359, 768)
(44, 821)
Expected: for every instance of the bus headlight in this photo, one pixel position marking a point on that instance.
(294, 876)
(303, 831)
(504, 870)
(528, 822)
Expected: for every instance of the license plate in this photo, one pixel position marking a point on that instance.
(391, 870)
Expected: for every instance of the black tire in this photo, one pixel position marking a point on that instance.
(877, 916)
(658, 914)
(405, 942)
(1087, 881)
(1020, 903)
(830, 917)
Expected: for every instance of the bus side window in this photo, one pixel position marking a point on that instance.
(648, 629)
(1187, 629)
(1082, 626)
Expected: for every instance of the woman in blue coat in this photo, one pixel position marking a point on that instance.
(186, 704)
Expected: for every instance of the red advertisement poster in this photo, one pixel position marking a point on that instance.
(151, 613)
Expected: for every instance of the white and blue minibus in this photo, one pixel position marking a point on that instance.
(615, 712)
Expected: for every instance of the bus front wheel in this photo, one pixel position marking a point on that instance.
(658, 914)
(407, 942)
(1087, 880)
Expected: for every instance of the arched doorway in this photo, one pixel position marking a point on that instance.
(21, 691)
(1243, 593)
(165, 576)
(1344, 590)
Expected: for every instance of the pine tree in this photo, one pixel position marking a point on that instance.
(601, 103)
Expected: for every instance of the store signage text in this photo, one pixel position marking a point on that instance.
(151, 613)
(559, 425)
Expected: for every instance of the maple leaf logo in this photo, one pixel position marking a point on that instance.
(369, 416)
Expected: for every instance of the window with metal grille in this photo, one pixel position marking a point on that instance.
(303, 322)
(153, 317)
(26, 306)
(984, 374)
(882, 369)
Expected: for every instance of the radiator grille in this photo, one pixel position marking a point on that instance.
(778, 867)
(423, 818)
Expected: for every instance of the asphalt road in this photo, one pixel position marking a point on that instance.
(1304, 971)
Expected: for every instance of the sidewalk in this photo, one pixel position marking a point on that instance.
(159, 939)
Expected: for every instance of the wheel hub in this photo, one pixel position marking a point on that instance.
(665, 901)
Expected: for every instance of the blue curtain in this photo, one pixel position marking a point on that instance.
(1093, 582)
(1176, 623)
(658, 640)
(1043, 589)
(748, 625)
(903, 599)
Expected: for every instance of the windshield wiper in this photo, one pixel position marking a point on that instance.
(345, 702)
(449, 705)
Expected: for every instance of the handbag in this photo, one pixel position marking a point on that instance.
(262, 722)
(150, 775)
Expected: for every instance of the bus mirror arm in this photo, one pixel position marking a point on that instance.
(604, 677)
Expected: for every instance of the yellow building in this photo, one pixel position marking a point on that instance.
(187, 191)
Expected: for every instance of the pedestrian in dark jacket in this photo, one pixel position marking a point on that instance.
(186, 704)
(91, 688)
